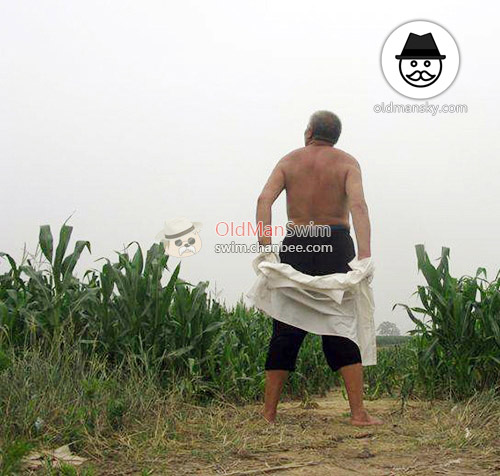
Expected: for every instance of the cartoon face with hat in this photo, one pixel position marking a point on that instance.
(420, 62)
(180, 237)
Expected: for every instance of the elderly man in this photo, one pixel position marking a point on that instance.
(323, 185)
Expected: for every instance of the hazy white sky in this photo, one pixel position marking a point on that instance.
(126, 114)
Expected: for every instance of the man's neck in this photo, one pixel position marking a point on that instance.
(319, 142)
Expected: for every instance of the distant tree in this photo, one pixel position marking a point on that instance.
(388, 329)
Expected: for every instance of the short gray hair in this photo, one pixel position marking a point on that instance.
(325, 125)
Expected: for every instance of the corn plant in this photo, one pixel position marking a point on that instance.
(39, 305)
(457, 339)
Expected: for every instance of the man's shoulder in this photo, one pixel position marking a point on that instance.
(335, 152)
(346, 157)
(290, 157)
(294, 153)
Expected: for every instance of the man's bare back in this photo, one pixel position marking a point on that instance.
(323, 185)
(315, 185)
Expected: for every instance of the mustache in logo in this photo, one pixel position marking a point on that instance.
(420, 75)
(187, 249)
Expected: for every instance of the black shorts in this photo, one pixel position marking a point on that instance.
(286, 339)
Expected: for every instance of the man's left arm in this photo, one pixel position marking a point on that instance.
(271, 191)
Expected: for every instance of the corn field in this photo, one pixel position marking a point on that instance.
(179, 332)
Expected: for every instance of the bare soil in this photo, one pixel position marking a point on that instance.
(315, 438)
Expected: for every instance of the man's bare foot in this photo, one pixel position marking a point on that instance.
(363, 419)
(270, 417)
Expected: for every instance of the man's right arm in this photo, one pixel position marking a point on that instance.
(358, 209)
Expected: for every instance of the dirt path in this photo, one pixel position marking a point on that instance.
(426, 439)
(439, 438)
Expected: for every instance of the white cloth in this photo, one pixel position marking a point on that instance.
(334, 304)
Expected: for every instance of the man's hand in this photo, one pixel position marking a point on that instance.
(265, 244)
(264, 240)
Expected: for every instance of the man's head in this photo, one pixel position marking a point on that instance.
(324, 126)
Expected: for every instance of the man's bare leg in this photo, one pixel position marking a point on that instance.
(274, 384)
(353, 379)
